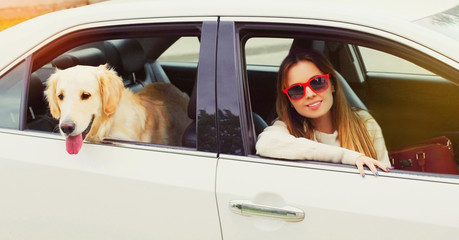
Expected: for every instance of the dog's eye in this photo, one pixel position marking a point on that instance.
(85, 96)
(60, 96)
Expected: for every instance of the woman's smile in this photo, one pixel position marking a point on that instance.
(314, 105)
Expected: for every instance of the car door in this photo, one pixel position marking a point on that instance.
(110, 190)
(267, 198)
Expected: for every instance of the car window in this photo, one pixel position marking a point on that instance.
(396, 92)
(266, 51)
(378, 61)
(135, 61)
(186, 49)
(11, 86)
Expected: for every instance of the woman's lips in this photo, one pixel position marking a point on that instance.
(314, 105)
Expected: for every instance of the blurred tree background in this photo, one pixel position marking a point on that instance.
(14, 12)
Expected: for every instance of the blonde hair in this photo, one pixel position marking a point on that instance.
(352, 132)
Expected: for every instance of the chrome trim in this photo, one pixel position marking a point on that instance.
(113, 143)
(247, 208)
(342, 168)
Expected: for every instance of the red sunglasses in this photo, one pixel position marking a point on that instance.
(317, 84)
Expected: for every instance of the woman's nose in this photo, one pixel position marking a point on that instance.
(309, 93)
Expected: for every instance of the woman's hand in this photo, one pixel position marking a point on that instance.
(372, 164)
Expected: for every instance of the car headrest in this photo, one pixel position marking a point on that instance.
(88, 56)
(126, 55)
(299, 44)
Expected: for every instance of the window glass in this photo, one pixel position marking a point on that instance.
(11, 86)
(267, 51)
(377, 61)
(186, 49)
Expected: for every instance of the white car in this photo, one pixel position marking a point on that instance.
(215, 187)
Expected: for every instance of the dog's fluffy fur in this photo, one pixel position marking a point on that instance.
(95, 103)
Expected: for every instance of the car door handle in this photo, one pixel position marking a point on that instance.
(247, 208)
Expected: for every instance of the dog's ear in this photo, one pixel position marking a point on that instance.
(111, 88)
(50, 93)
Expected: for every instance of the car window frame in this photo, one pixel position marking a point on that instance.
(245, 30)
(203, 30)
(349, 36)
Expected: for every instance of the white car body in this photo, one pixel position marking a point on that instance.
(131, 191)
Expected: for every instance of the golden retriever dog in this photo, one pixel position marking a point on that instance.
(92, 104)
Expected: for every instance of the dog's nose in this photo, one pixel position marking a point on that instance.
(67, 127)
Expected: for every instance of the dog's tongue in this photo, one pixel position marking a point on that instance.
(74, 143)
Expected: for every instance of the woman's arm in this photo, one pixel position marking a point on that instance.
(275, 141)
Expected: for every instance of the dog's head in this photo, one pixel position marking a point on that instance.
(79, 95)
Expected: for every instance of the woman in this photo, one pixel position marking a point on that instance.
(315, 121)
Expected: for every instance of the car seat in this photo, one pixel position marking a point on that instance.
(128, 58)
(38, 116)
(189, 138)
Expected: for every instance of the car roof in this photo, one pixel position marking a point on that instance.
(23, 37)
